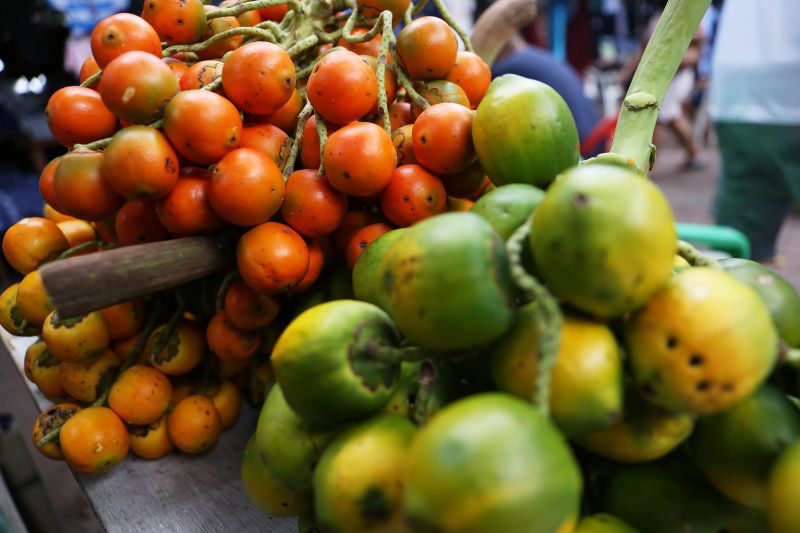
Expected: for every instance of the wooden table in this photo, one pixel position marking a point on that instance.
(178, 493)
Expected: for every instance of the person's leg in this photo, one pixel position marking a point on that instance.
(752, 195)
(684, 131)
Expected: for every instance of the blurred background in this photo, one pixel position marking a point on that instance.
(586, 49)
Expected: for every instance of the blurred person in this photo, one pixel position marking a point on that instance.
(81, 17)
(755, 106)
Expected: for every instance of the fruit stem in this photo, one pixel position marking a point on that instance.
(422, 402)
(102, 143)
(440, 5)
(302, 118)
(387, 38)
(91, 79)
(548, 318)
(392, 355)
(229, 278)
(87, 246)
(322, 133)
(657, 68)
(265, 35)
(788, 355)
(302, 46)
(163, 339)
(244, 7)
(694, 257)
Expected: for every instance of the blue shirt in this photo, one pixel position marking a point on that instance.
(83, 15)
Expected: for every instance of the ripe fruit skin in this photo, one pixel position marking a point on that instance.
(359, 159)
(81, 188)
(246, 187)
(272, 258)
(120, 33)
(472, 74)
(342, 87)
(31, 242)
(427, 48)
(94, 440)
(442, 138)
(176, 21)
(139, 163)
(136, 86)
(186, 209)
(312, 206)
(194, 424)
(140, 395)
(259, 78)
(77, 115)
(413, 194)
(202, 126)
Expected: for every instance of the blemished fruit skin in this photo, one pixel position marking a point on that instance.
(358, 483)
(269, 494)
(491, 462)
(319, 365)
(702, 343)
(524, 132)
(446, 282)
(603, 239)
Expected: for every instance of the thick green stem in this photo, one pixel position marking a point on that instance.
(102, 143)
(694, 257)
(402, 79)
(548, 318)
(789, 356)
(440, 5)
(660, 61)
(428, 374)
(408, 16)
(298, 138)
(244, 7)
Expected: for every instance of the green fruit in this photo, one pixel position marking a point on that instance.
(491, 462)
(445, 282)
(702, 343)
(603, 523)
(779, 295)
(358, 484)
(266, 491)
(322, 370)
(366, 280)
(524, 132)
(645, 432)
(586, 389)
(506, 208)
(668, 497)
(736, 448)
(289, 446)
(603, 239)
(783, 492)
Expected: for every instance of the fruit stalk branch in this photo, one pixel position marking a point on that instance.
(548, 318)
(693, 256)
(657, 68)
(440, 5)
(302, 118)
(322, 133)
(244, 7)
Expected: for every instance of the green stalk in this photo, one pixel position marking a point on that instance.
(244, 7)
(549, 319)
(660, 62)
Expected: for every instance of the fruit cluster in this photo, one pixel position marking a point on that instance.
(554, 359)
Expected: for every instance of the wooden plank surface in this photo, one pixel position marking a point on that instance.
(178, 493)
